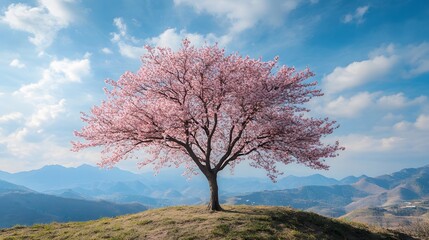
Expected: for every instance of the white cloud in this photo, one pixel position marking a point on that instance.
(357, 16)
(38, 106)
(16, 63)
(392, 117)
(28, 154)
(59, 72)
(121, 26)
(385, 50)
(41, 99)
(130, 51)
(40, 90)
(358, 73)
(399, 101)
(402, 126)
(67, 70)
(349, 107)
(408, 61)
(353, 106)
(244, 14)
(126, 44)
(415, 135)
(44, 113)
(422, 122)
(409, 139)
(132, 47)
(366, 143)
(240, 15)
(43, 21)
(106, 51)
(10, 117)
(14, 143)
(172, 39)
(417, 57)
(60, 9)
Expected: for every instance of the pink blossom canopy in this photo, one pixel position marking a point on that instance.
(203, 108)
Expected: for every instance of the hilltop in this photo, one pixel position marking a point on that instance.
(195, 222)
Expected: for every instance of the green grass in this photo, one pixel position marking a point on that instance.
(195, 222)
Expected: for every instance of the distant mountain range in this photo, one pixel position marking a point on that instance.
(86, 185)
(7, 187)
(55, 176)
(167, 188)
(383, 192)
(57, 193)
(23, 206)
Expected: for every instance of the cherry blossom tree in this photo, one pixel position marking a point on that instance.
(206, 110)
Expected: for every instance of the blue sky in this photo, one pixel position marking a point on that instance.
(371, 59)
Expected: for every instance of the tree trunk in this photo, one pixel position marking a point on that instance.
(214, 193)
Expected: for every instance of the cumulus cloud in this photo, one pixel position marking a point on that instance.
(407, 61)
(412, 60)
(422, 122)
(173, 39)
(357, 16)
(10, 117)
(349, 107)
(415, 134)
(44, 113)
(132, 47)
(392, 117)
(27, 155)
(392, 147)
(409, 142)
(39, 101)
(417, 57)
(367, 143)
(106, 51)
(130, 51)
(358, 73)
(59, 72)
(243, 14)
(16, 63)
(67, 70)
(399, 100)
(122, 28)
(39, 104)
(353, 106)
(42, 22)
(402, 126)
(15, 145)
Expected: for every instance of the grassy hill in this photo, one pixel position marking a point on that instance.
(195, 222)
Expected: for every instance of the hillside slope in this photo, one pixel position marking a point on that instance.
(6, 187)
(195, 222)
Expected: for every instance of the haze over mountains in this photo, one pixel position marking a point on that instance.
(167, 188)
(106, 191)
(21, 205)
